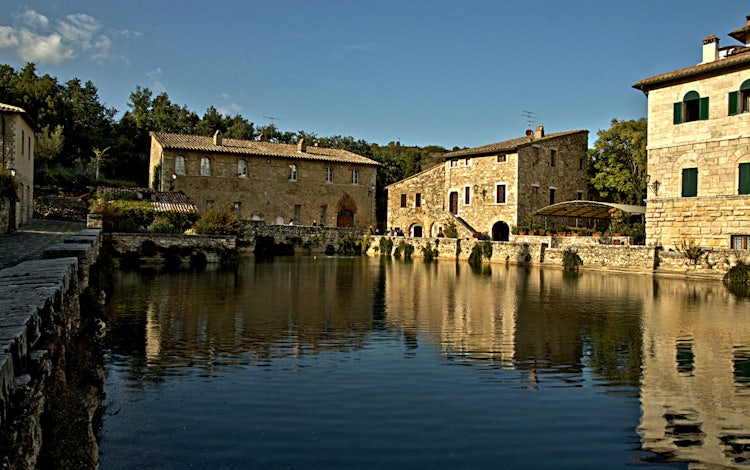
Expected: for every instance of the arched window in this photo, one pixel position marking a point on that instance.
(739, 101)
(691, 108)
(242, 169)
(293, 172)
(205, 166)
(179, 165)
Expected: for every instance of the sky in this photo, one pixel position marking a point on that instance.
(421, 72)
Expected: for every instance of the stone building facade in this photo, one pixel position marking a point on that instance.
(272, 182)
(488, 189)
(17, 159)
(699, 149)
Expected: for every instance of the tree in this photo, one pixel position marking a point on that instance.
(617, 163)
(49, 144)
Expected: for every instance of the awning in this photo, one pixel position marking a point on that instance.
(589, 209)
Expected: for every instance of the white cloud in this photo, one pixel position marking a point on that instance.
(35, 39)
(155, 76)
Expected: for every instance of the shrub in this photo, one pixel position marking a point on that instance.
(450, 230)
(571, 261)
(737, 279)
(428, 252)
(480, 251)
(386, 246)
(123, 215)
(691, 250)
(406, 248)
(350, 245)
(217, 222)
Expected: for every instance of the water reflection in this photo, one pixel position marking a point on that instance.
(682, 348)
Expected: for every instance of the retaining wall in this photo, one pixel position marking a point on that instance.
(40, 322)
(305, 238)
(150, 249)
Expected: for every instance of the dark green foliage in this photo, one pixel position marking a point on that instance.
(7, 186)
(617, 163)
(450, 230)
(691, 250)
(480, 251)
(407, 249)
(385, 246)
(123, 215)
(737, 279)
(351, 245)
(428, 252)
(571, 261)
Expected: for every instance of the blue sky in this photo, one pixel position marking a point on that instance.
(436, 72)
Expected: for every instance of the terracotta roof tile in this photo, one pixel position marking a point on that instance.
(507, 145)
(197, 143)
(738, 59)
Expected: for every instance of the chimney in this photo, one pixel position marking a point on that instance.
(217, 138)
(301, 146)
(710, 49)
(539, 132)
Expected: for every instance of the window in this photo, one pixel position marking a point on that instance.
(29, 152)
(739, 101)
(689, 182)
(502, 158)
(297, 213)
(242, 169)
(293, 172)
(403, 200)
(179, 165)
(467, 195)
(580, 163)
(741, 242)
(553, 157)
(205, 166)
(323, 214)
(467, 161)
(23, 137)
(500, 193)
(418, 200)
(552, 195)
(329, 174)
(454, 162)
(355, 176)
(237, 209)
(744, 186)
(580, 196)
(691, 108)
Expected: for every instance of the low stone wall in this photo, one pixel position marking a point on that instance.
(639, 259)
(4, 214)
(41, 322)
(153, 249)
(712, 263)
(305, 238)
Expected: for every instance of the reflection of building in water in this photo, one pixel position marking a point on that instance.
(695, 392)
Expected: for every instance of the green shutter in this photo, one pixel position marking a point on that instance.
(744, 178)
(734, 103)
(689, 182)
(678, 112)
(703, 113)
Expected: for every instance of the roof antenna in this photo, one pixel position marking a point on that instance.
(530, 118)
(272, 119)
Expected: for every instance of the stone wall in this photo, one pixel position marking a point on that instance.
(43, 333)
(153, 249)
(4, 215)
(305, 239)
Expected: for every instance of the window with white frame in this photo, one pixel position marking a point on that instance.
(242, 169)
(179, 165)
(329, 174)
(293, 170)
(502, 158)
(355, 176)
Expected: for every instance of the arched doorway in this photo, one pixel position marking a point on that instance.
(416, 231)
(346, 208)
(345, 218)
(500, 232)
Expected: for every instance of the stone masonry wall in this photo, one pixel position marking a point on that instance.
(41, 321)
(212, 246)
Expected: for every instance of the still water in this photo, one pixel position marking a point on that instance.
(322, 362)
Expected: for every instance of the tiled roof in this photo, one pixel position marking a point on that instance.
(508, 145)
(6, 108)
(161, 201)
(739, 59)
(197, 143)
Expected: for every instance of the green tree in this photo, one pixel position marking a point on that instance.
(49, 144)
(617, 163)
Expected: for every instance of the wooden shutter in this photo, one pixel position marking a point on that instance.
(734, 102)
(744, 187)
(703, 113)
(678, 112)
(689, 182)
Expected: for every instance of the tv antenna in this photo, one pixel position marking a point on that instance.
(272, 119)
(530, 118)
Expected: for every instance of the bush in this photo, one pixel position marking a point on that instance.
(571, 260)
(217, 222)
(406, 248)
(691, 250)
(428, 252)
(351, 245)
(123, 215)
(450, 230)
(386, 246)
(737, 279)
(480, 251)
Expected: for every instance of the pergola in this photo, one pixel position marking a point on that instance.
(589, 209)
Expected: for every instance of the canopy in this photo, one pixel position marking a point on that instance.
(589, 209)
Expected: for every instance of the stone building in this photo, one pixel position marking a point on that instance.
(488, 189)
(17, 143)
(272, 182)
(699, 149)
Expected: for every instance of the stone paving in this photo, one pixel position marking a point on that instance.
(30, 240)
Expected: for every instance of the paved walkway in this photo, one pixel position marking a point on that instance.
(30, 241)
